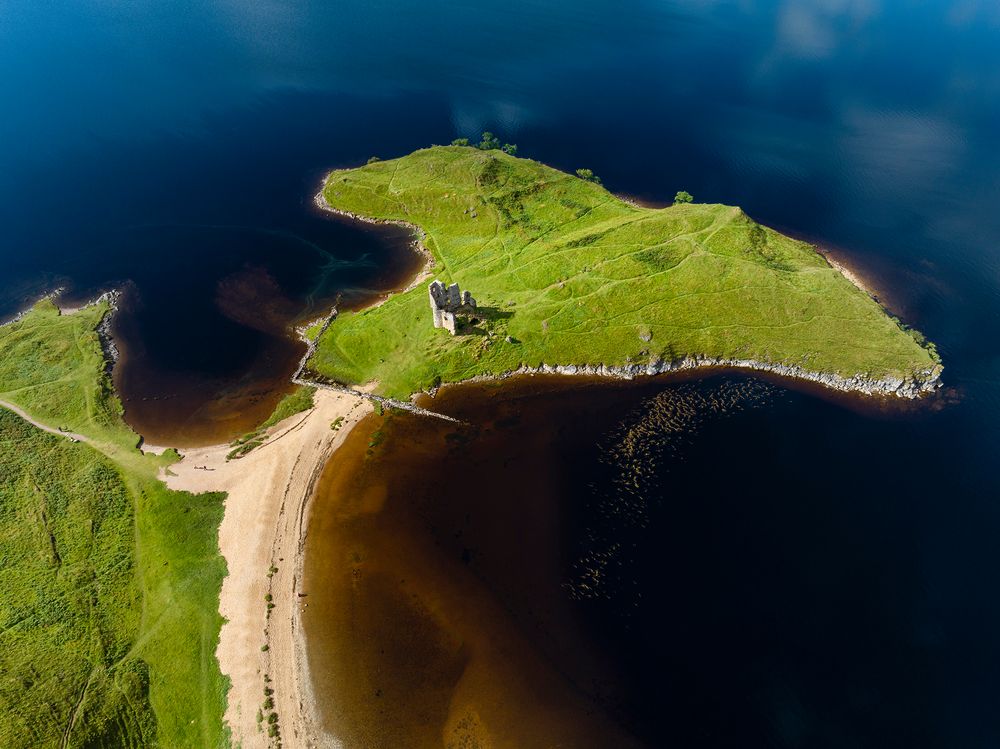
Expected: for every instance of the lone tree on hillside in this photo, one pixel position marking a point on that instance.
(510, 148)
(489, 142)
(588, 175)
(460, 142)
(683, 197)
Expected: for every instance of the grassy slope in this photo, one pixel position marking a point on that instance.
(110, 581)
(576, 276)
(53, 368)
(297, 401)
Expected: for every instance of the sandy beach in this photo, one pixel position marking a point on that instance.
(262, 539)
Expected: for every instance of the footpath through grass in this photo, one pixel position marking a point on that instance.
(566, 273)
(109, 581)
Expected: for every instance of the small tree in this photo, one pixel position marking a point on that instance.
(460, 142)
(510, 148)
(489, 142)
(373, 159)
(683, 197)
(588, 175)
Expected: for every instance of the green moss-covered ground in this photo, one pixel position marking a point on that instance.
(566, 273)
(109, 581)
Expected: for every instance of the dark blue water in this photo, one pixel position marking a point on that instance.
(178, 146)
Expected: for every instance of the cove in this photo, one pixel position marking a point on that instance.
(619, 564)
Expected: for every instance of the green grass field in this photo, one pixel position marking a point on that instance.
(566, 273)
(109, 581)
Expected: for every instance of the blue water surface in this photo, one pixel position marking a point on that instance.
(176, 146)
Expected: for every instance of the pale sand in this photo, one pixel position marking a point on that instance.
(265, 522)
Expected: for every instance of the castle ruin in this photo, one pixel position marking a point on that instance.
(448, 301)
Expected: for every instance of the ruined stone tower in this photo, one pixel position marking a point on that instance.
(446, 302)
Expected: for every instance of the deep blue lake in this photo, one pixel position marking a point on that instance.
(174, 149)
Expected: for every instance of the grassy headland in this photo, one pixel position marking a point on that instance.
(110, 581)
(568, 274)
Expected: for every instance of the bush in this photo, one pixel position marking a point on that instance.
(460, 142)
(510, 148)
(683, 197)
(588, 175)
(489, 142)
(373, 159)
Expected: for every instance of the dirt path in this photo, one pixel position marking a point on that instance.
(44, 427)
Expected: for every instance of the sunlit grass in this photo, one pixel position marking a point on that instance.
(566, 273)
(109, 581)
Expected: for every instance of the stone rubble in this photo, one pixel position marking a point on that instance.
(924, 383)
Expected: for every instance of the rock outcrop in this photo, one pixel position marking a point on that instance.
(923, 383)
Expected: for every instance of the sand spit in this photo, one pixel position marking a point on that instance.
(262, 537)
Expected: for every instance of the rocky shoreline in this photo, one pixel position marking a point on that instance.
(103, 329)
(299, 377)
(888, 386)
(417, 245)
(54, 294)
(108, 347)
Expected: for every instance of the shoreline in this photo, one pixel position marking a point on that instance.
(858, 384)
(923, 384)
(262, 538)
(853, 276)
(270, 491)
(417, 244)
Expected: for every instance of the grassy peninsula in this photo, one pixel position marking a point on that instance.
(568, 274)
(109, 581)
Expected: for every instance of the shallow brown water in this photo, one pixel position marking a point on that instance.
(435, 571)
(478, 585)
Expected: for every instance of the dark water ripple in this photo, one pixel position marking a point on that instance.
(638, 454)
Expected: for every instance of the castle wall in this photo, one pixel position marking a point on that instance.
(445, 302)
